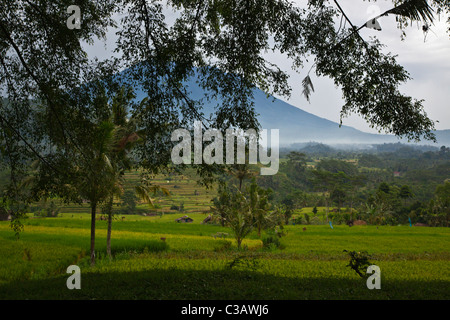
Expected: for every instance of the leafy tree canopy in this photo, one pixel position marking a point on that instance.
(54, 92)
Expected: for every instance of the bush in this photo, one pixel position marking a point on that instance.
(272, 242)
(315, 221)
(341, 218)
(346, 217)
(178, 208)
(359, 262)
(244, 262)
(129, 202)
(156, 206)
(47, 210)
(306, 218)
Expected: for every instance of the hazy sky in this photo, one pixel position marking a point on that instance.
(427, 61)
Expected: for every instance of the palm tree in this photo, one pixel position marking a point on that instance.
(116, 191)
(126, 136)
(241, 172)
(94, 177)
(221, 204)
(371, 212)
(97, 179)
(243, 211)
(146, 190)
(260, 208)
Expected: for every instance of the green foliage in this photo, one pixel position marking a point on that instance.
(359, 262)
(47, 210)
(224, 245)
(150, 246)
(17, 211)
(194, 265)
(336, 166)
(307, 218)
(129, 201)
(391, 199)
(272, 242)
(244, 211)
(443, 195)
(68, 112)
(244, 262)
(27, 254)
(179, 207)
(54, 89)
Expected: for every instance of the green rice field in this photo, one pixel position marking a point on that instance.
(158, 258)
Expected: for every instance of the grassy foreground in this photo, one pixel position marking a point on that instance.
(192, 262)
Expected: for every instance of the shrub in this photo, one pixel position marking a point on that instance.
(315, 221)
(359, 261)
(47, 210)
(346, 217)
(244, 262)
(179, 208)
(307, 218)
(129, 202)
(272, 242)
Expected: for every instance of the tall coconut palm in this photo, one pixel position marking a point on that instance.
(116, 191)
(241, 172)
(126, 136)
(260, 208)
(96, 181)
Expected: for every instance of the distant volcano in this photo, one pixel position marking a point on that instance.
(297, 125)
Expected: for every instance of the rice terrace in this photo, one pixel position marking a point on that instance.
(224, 150)
(155, 257)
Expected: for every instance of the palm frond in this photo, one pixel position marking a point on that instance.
(27, 182)
(35, 164)
(163, 190)
(307, 87)
(107, 161)
(414, 10)
(143, 194)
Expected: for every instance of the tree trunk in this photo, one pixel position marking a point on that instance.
(239, 241)
(351, 205)
(108, 235)
(327, 208)
(93, 211)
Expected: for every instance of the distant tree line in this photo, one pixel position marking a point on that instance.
(384, 188)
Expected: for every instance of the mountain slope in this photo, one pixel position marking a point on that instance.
(297, 125)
